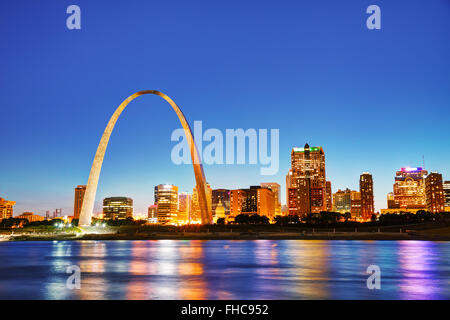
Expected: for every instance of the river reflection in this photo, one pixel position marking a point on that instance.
(190, 269)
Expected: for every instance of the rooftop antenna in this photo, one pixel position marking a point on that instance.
(423, 162)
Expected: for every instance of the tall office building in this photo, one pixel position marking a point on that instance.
(446, 187)
(366, 190)
(342, 201)
(6, 208)
(266, 202)
(78, 203)
(220, 197)
(275, 187)
(153, 213)
(409, 188)
(434, 191)
(184, 207)
(307, 175)
(115, 208)
(166, 198)
(355, 207)
(237, 199)
(329, 196)
(196, 213)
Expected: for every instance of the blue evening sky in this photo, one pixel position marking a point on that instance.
(375, 100)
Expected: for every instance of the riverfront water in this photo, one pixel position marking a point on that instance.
(194, 269)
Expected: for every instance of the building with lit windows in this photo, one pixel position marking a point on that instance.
(237, 199)
(255, 200)
(184, 207)
(166, 198)
(152, 215)
(222, 197)
(355, 204)
(266, 202)
(409, 188)
(434, 191)
(366, 190)
(195, 211)
(30, 217)
(342, 201)
(275, 187)
(6, 209)
(78, 202)
(391, 203)
(329, 196)
(115, 208)
(307, 174)
(446, 187)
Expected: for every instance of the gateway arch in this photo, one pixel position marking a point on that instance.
(91, 189)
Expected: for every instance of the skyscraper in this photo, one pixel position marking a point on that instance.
(355, 209)
(307, 174)
(117, 208)
(409, 188)
(166, 197)
(329, 196)
(79, 196)
(446, 186)
(184, 207)
(366, 190)
(434, 191)
(6, 209)
(196, 215)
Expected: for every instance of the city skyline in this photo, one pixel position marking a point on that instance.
(375, 102)
(80, 189)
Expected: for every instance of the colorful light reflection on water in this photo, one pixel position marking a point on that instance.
(260, 269)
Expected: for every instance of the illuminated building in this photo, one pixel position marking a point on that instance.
(152, 215)
(166, 198)
(78, 203)
(255, 200)
(195, 211)
(275, 187)
(307, 174)
(329, 196)
(355, 204)
(222, 197)
(299, 198)
(434, 191)
(391, 203)
(266, 202)
(366, 190)
(115, 208)
(409, 188)
(184, 207)
(219, 212)
(6, 208)
(446, 187)
(342, 201)
(30, 217)
(250, 205)
(237, 199)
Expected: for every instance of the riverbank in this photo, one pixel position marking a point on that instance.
(433, 236)
(423, 231)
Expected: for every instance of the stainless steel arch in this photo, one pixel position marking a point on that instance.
(91, 189)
